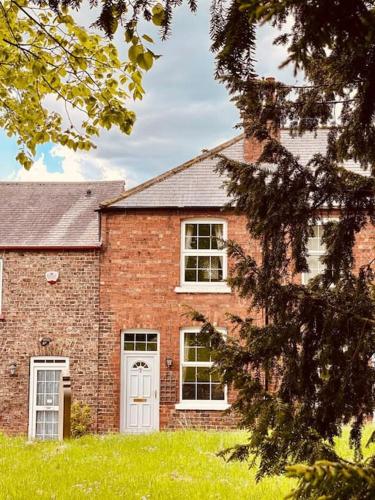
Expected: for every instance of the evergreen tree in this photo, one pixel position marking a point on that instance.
(316, 340)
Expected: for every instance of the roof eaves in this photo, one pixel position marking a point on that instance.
(50, 247)
(173, 171)
(161, 207)
(32, 184)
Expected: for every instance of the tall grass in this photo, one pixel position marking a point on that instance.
(166, 465)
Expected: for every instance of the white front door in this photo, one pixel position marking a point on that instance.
(141, 399)
(45, 376)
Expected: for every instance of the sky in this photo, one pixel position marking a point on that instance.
(184, 111)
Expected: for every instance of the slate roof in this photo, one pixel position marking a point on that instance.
(36, 214)
(310, 143)
(196, 184)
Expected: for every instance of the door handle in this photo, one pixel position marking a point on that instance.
(156, 393)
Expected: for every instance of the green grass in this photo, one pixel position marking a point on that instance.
(164, 466)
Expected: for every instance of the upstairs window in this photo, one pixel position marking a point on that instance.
(316, 249)
(204, 258)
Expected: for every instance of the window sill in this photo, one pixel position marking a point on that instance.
(220, 288)
(220, 406)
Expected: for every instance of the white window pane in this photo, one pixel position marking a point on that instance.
(203, 354)
(189, 374)
(204, 262)
(191, 275)
(190, 353)
(191, 230)
(216, 275)
(203, 392)
(204, 230)
(314, 243)
(313, 261)
(47, 425)
(190, 338)
(204, 243)
(191, 262)
(217, 262)
(217, 236)
(315, 267)
(189, 391)
(204, 275)
(191, 243)
(203, 374)
(217, 230)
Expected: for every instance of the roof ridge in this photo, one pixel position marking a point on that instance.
(172, 171)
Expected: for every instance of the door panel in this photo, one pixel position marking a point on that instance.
(45, 376)
(146, 386)
(146, 416)
(140, 381)
(133, 385)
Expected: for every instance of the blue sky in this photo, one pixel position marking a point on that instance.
(184, 111)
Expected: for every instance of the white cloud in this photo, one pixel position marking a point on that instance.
(184, 110)
(75, 166)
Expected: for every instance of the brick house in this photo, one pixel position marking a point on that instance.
(50, 227)
(160, 256)
(116, 317)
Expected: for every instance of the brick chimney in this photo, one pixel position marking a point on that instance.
(252, 147)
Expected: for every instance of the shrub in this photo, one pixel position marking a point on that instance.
(80, 419)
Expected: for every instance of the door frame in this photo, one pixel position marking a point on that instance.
(123, 374)
(46, 363)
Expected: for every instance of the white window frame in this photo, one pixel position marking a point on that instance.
(141, 331)
(203, 287)
(317, 253)
(45, 363)
(194, 404)
(1, 284)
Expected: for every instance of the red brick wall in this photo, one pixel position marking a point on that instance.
(364, 250)
(140, 268)
(67, 312)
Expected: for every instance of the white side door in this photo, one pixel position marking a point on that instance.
(45, 376)
(141, 401)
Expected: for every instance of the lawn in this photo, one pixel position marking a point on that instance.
(158, 466)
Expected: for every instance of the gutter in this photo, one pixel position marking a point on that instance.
(164, 207)
(50, 247)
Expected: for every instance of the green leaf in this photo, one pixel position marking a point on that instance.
(148, 38)
(129, 35)
(158, 19)
(158, 14)
(134, 52)
(145, 60)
